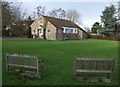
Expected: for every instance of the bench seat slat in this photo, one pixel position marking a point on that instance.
(95, 59)
(93, 65)
(20, 55)
(97, 71)
(22, 66)
(27, 61)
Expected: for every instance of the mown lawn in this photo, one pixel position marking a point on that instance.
(58, 56)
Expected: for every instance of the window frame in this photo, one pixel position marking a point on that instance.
(74, 30)
(41, 22)
(33, 30)
(49, 30)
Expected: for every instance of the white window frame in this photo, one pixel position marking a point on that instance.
(65, 28)
(33, 30)
(40, 22)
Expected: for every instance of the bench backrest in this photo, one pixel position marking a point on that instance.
(24, 60)
(94, 64)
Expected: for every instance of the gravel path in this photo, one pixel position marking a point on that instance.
(13, 38)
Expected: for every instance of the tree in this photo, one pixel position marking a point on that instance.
(6, 17)
(73, 15)
(28, 23)
(41, 10)
(87, 29)
(96, 26)
(44, 28)
(61, 13)
(33, 15)
(57, 13)
(109, 21)
(11, 17)
(53, 13)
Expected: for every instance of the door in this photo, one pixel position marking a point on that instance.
(40, 32)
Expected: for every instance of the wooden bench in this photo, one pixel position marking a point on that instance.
(26, 61)
(93, 65)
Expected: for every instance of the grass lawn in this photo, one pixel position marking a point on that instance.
(58, 56)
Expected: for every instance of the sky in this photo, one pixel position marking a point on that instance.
(90, 11)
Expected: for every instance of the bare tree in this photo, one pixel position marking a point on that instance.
(61, 13)
(53, 13)
(87, 29)
(73, 15)
(41, 10)
(33, 15)
(57, 13)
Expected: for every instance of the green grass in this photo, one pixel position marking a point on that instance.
(58, 56)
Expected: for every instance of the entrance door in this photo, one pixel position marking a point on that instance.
(40, 32)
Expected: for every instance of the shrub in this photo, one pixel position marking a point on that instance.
(116, 38)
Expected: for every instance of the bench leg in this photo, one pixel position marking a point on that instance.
(37, 71)
(74, 75)
(7, 68)
(42, 71)
(7, 64)
(108, 76)
(111, 78)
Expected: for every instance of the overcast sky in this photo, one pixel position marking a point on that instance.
(90, 11)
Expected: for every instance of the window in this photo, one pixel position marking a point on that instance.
(33, 30)
(41, 22)
(49, 30)
(69, 30)
(40, 30)
(75, 30)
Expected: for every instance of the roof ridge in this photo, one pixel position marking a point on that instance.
(58, 18)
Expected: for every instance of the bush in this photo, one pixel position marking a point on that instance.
(116, 38)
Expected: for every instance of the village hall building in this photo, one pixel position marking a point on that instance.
(56, 29)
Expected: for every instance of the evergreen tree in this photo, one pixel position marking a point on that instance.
(109, 21)
(95, 27)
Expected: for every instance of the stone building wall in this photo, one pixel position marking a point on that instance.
(50, 31)
(35, 25)
(59, 34)
(69, 36)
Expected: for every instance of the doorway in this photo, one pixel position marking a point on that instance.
(40, 32)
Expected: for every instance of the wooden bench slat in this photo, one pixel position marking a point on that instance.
(100, 71)
(20, 60)
(20, 55)
(22, 66)
(93, 65)
(100, 59)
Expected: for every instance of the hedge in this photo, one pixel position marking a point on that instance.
(116, 38)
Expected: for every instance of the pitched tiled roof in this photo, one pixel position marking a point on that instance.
(59, 23)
